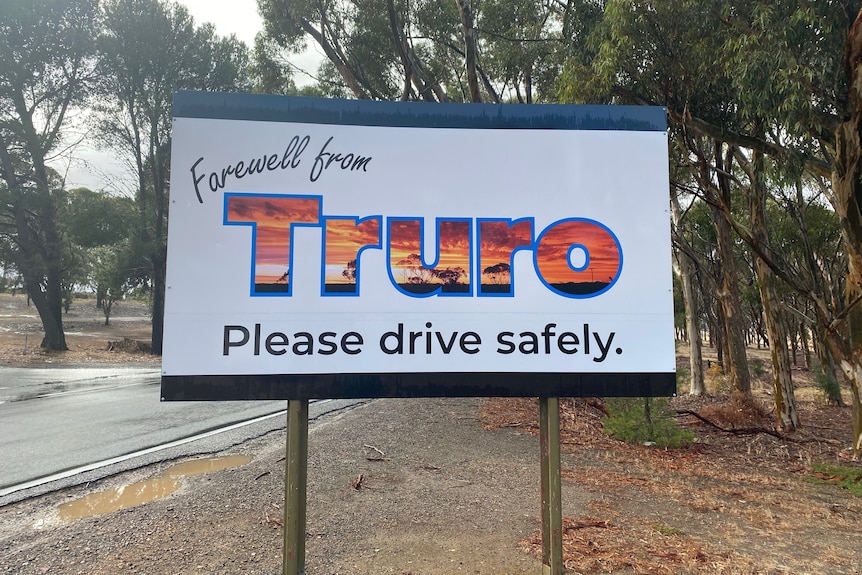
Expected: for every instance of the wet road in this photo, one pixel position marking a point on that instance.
(52, 420)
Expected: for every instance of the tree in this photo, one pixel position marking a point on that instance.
(426, 50)
(269, 70)
(93, 219)
(684, 268)
(414, 272)
(450, 276)
(499, 273)
(99, 224)
(148, 49)
(45, 66)
(775, 78)
(349, 271)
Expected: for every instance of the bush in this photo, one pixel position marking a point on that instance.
(827, 384)
(639, 420)
(756, 368)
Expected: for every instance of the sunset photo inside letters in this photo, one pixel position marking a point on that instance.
(498, 240)
(272, 217)
(452, 272)
(578, 257)
(344, 238)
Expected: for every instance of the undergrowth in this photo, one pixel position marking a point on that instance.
(644, 420)
(849, 478)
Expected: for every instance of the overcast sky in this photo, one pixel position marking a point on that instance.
(238, 17)
(97, 170)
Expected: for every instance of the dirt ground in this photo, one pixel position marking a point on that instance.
(445, 486)
(87, 336)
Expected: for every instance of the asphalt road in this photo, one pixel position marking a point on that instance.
(54, 420)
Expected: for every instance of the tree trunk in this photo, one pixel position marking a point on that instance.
(471, 56)
(51, 315)
(735, 362)
(332, 51)
(847, 188)
(728, 291)
(40, 266)
(782, 384)
(686, 276)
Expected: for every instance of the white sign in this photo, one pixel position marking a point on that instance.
(299, 247)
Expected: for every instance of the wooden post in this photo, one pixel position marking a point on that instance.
(295, 479)
(552, 509)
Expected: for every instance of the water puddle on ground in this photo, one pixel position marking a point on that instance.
(145, 491)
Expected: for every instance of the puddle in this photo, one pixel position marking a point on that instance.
(147, 490)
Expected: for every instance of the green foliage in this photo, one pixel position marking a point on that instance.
(640, 420)
(849, 478)
(395, 49)
(756, 368)
(269, 70)
(827, 384)
(96, 218)
(667, 530)
(45, 69)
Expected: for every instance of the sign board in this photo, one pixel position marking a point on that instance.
(332, 248)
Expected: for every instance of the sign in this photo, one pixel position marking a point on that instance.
(331, 248)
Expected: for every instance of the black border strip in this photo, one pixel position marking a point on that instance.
(272, 108)
(360, 385)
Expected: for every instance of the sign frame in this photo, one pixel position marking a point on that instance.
(402, 383)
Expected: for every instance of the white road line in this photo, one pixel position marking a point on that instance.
(121, 458)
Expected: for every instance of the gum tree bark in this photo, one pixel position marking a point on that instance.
(782, 384)
(847, 187)
(471, 56)
(728, 289)
(686, 276)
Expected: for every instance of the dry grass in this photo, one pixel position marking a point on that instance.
(734, 504)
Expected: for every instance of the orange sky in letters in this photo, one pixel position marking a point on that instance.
(454, 245)
(500, 238)
(273, 215)
(554, 247)
(344, 238)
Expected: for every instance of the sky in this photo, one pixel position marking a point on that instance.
(96, 169)
(238, 17)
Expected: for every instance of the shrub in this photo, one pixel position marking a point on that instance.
(638, 420)
(756, 368)
(827, 384)
(715, 375)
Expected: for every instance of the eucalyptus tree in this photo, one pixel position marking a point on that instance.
(45, 65)
(269, 70)
(147, 50)
(792, 68)
(98, 225)
(651, 53)
(427, 50)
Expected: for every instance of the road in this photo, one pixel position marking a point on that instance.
(54, 420)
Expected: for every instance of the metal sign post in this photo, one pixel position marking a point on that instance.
(552, 509)
(295, 477)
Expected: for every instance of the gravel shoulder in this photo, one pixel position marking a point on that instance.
(394, 486)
